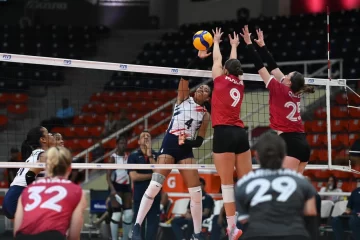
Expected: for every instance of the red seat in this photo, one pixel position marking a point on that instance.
(82, 132)
(73, 144)
(341, 174)
(338, 125)
(339, 112)
(110, 144)
(69, 132)
(114, 107)
(17, 109)
(354, 99)
(60, 130)
(100, 108)
(341, 99)
(20, 98)
(96, 97)
(3, 98)
(354, 112)
(320, 113)
(354, 125)
(319, 126)
(96, 131)
(79, 120)
(86, 143)
(3, 121)
(316, 140)
(89, 108)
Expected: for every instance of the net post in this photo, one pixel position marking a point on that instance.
(87, 170)
(328, 123)
(146, 124)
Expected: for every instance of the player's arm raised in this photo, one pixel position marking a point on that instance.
(77, 219)
(19, 214)
(234, 42)
(265, 54)
(183, 88)
(217, 58)
(259, 65)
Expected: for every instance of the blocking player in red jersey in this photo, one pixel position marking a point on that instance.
(51, 207)
(230, 141)
(285, 93)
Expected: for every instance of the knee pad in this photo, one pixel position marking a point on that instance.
(195, 194)
(116, 217)
(127, 216)
(157, 177)
(155, 185)
(228, 193)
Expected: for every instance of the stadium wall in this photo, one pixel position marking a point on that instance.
(220, 10)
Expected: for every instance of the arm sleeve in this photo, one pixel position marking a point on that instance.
(309, 190)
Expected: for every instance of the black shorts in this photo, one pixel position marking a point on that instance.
(279, 238)
(297, 146)
(170, 146)
(122, 188)
(230, 139)
(53, 235)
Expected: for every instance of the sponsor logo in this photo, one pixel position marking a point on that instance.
(67, 62)
(46, 5)
(6, 57)
(123, 66)
(311, 80)
(99, 206)
(174, 70)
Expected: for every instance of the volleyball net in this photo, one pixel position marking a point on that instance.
(145, 95)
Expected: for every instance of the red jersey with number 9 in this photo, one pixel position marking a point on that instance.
(226, 101)
(48, 205)
(284, 107)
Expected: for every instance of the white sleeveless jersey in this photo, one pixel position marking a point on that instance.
(120, 176)
(187, 118)
(19, 179)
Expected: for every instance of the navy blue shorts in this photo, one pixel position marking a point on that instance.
(122, 188)
(170, 146)
(11, 200)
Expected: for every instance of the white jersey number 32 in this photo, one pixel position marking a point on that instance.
(51, 203)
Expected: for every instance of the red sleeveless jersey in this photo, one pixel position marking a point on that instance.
(48, 205)
(226, 101)
(284, 108)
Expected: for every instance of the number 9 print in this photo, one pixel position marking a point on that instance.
(235, 95)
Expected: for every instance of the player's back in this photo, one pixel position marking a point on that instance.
(48, 205)
(274, 202)
(226, 101)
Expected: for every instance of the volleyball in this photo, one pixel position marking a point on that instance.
(202, 40)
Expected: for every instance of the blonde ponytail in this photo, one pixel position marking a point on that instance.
(58, 161)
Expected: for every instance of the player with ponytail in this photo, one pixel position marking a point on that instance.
(37, 141)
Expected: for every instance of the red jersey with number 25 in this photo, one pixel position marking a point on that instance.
(284, 107)
(48, 205)
(226, 101)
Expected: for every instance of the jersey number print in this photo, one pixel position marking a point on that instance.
(294, 108)
(51, 203)
(235, 95)
(286, 186)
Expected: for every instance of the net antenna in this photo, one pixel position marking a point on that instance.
(328, 112)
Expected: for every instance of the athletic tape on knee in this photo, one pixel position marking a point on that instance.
(228, 193)
(153, 189)
(127, 216)
(157, 177)
(195, 194)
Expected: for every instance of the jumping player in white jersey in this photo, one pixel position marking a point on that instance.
(120, 189)
(186, 130)
(37, 141)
